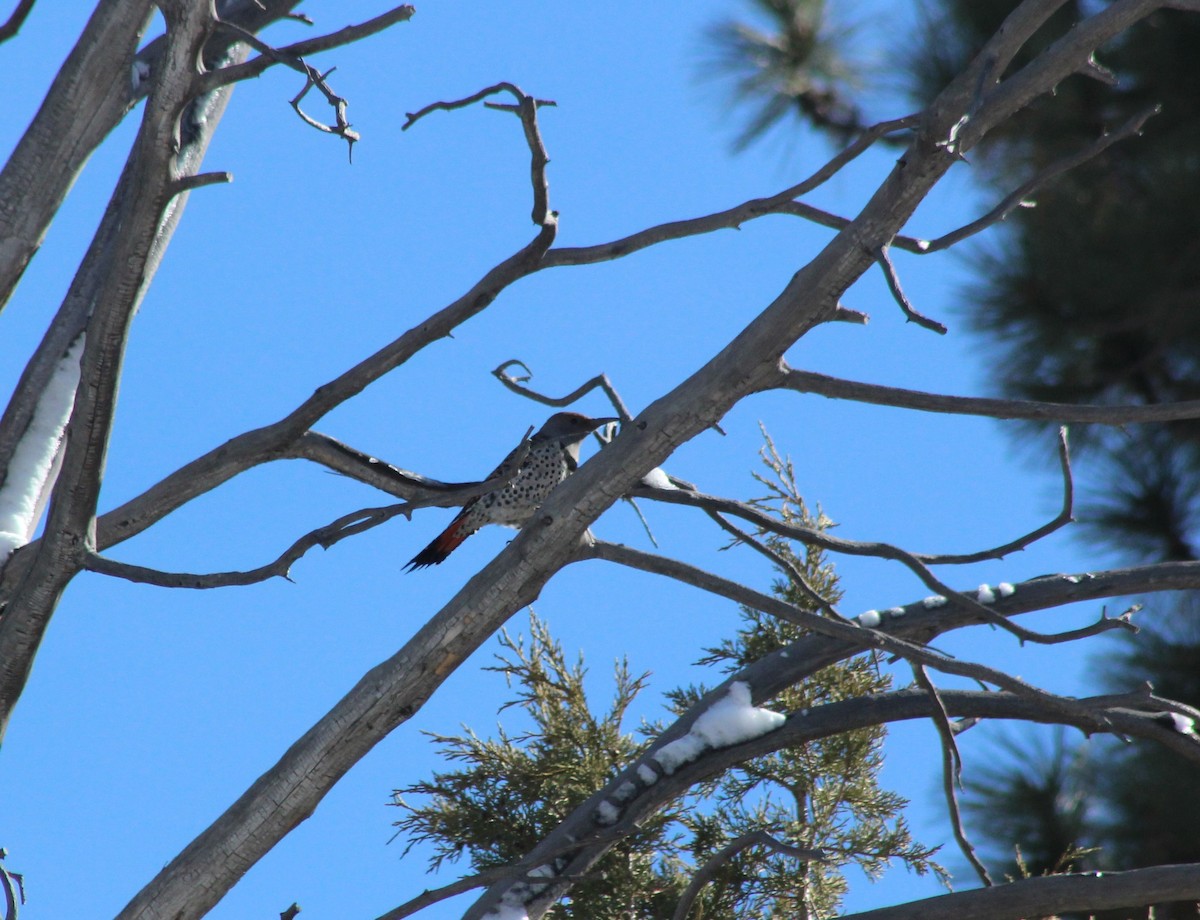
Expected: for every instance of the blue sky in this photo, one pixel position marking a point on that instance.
(150, 710)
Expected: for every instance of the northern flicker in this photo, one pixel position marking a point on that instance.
(553, 456)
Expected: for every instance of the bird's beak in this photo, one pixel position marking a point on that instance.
(599, 422)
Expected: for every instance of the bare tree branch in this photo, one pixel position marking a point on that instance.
(781, 202)
(951, 772)
(600, 381)
(347, 525)
(836, 222)
(525, 109)
(706, 873)
(1052, 895)
(835, 388)
(16, 19)
(291, 55)
(915, 562)
(1018, 197)
(893, 282)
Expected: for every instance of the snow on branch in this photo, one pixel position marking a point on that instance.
(34, 466)
(730, 720)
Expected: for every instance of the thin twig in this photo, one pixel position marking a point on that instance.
(893, 282)
(312, 77)
(780, 562)
(706, 873)
(917, 563)
(951, 771)
(781, 202)
(1017, 198)
(268, 58)
(600, 381)
(341, 127)
(525, 109)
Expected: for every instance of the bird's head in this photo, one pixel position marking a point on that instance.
(569, 427)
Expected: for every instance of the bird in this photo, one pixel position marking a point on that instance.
(553, 456)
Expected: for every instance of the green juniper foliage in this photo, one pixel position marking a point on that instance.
(508, 792)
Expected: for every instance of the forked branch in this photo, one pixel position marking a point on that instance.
(1019, 196)
(347, 525)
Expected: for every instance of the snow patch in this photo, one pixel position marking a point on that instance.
(985, 595)
(1185, 725)
(730, 720)
(647, 775)
(895, 611)
(870, 619)
(626, 791)
(139, 73)
(933, 601)
(680, 751)
(508, 912)
(1004, 589)
(657, 479)
(34, 465)
(608, 813)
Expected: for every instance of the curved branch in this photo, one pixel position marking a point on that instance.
(600, 381)
(893, 283)
(16, 19)
(347, 525)
(951, 772)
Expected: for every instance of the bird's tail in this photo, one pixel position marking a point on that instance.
(442, 546)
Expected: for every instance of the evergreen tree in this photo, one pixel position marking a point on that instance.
(820, 801)
(791, 62)
(1093, 295)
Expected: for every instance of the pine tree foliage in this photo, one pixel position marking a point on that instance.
(1152, 802)
(795, 67)
(1093, 295)
(1036, 817)
(1101, 804)
(820, 796)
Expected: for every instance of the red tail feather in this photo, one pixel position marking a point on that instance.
(442, 546)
